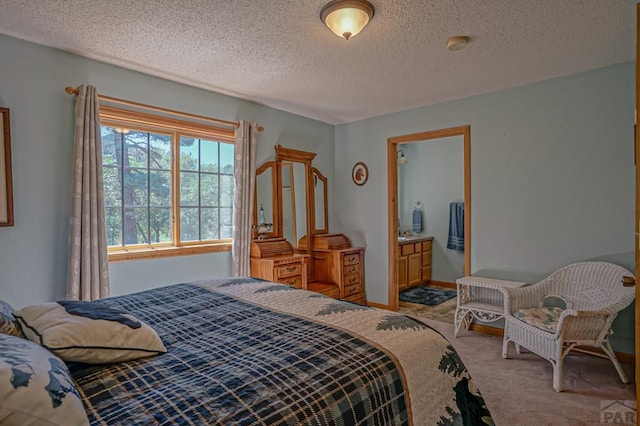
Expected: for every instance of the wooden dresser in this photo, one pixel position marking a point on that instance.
(336, 262)
(273, 260)
(414, 262)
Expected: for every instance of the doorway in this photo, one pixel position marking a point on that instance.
(393, 144)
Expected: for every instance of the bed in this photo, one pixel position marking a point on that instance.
(246, 351)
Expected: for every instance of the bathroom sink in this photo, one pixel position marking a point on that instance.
(407, 238)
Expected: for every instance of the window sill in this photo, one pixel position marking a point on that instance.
(157, 252)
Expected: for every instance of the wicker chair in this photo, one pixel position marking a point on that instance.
(574, 306)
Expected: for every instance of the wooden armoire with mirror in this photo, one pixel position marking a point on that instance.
(292, 244)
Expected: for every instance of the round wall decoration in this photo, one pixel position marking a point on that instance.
(360, 173)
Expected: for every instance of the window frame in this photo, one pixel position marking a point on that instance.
(120, 117)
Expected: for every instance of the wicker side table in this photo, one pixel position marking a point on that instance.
(480, 298)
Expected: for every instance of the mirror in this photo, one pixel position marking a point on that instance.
(291, 195)
(295, 192)
(265, 205)
(320, 197)
(294, 201)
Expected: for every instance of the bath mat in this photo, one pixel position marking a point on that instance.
(427, 295)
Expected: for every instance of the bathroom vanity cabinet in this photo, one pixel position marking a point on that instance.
(414, 261)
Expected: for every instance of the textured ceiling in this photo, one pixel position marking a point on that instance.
(278, 52)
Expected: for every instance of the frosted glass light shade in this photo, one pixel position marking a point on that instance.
(402, 159)
(346, 18)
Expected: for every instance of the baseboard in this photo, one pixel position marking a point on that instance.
(497, 331)
(622, 357)
(487, 329)
(626, 358)
(378, 305)
(444, 284)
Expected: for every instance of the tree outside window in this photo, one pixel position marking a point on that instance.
(153, 201)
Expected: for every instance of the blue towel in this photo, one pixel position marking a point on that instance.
(456, 226)
(417, 221)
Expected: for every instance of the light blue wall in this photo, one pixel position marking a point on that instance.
(434, 176)
(551, 169)
(552, 178)
(33, 253)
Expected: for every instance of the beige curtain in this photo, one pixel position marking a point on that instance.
(246, 142)
(88, 267)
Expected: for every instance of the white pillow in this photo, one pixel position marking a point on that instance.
(92, 341)
(35, 386)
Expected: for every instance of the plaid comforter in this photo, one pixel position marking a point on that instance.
(244, 351)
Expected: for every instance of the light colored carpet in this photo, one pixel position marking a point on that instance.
(518, 391)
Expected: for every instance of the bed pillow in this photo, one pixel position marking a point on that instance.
(35, 386)
(8, 323)
(88, 332)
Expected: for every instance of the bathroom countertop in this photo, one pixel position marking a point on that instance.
(413, 238)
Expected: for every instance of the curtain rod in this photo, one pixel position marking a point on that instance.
(70, 90)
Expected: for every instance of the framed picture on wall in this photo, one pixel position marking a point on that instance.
(6, 186)
(360, 173)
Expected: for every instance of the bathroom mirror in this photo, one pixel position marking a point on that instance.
(265, 203)
(320, 197)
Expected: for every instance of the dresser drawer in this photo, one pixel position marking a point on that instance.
(406, 249)
(358, 298)
(351, 269)
(351, 279)
(330, 290)
(288, 270)
(351, 290)
(292, 281)
(351, 259)
(426, 245)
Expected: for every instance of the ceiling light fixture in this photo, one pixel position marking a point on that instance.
(346, 18)
(458, 42)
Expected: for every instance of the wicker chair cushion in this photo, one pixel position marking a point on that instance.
(544, 318)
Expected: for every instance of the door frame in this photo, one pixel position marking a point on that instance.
(637, 238)
(392, 197)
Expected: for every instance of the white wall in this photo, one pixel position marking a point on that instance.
(552, 177)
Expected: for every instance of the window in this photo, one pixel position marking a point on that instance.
(168, 185)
